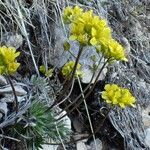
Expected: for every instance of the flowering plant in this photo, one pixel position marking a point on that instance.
(68, 67)
(115, 95)
(89, 29)
(8, 62)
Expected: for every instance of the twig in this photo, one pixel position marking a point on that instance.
(60, 137)
(87, 112)
(14, 92)
(7, 137)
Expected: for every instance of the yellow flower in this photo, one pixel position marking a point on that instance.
(47, 73)
(116, 95)
(12, 67)
(68, 68)
(70, 14)
(86, 28)
(89, 29)
(8, 63)
(110, 48)
(42, 69)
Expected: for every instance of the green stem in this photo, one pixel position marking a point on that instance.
(83, 91)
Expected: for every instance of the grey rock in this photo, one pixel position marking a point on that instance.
(3, 108)
(9, 98)
(98, 143)
(147, 138)
(12, 39)
(80, 145)
(8, 90)
(49, 147)
(146, 117)
(2, 80)
(78, 124)
(78, 136)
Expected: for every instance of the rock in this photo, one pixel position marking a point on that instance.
(78, 124)
(146, 117)
(2, 80)
(12, 39)
(87, 75)
(8, 90)
(3, 108)
(80, 145)
(9, 98)
(49, 147)
(98, 143)
(78, 136)
(147, 138)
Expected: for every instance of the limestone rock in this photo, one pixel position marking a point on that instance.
(3, 108)
(49, 147)
(2, 80)
(9, 98)
(146, 117)
(8, 90)
(98, 143)
(12, 39)
(81, 145)
(147, 138)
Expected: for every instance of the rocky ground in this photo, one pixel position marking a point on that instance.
(36, 30)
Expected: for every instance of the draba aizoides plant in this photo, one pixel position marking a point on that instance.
(8, 66)
(116, 95)
(8, 62)
(89, 29)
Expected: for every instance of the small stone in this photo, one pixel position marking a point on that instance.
(77, 123)
(12, 39)
(87, 75)
(98, 144)
(2, 80)
(8, 90)
(146, 117)
(147, 138)
(80, 145)
(49, 147)
(3, 108)
(80, 136)
(9, 98)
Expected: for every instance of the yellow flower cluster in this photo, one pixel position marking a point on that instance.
(68, 68)
(8, 63)
(89, 29)
(47, 73)
(116, 95)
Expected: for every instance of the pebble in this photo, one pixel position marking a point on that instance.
(147, 138)
(2, 81)
(8, 90)
(146, 117)
(98, 144)
(12, 39)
